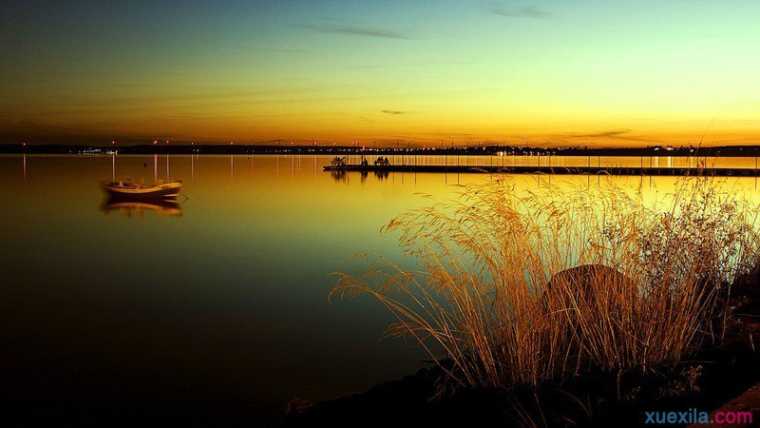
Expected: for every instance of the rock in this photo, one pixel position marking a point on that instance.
(589, 285)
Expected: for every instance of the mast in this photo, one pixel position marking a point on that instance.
(113, 161)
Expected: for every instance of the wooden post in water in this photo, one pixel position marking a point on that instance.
(113, 161)
(155, 168)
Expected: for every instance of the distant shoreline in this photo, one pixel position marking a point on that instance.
(210, 149)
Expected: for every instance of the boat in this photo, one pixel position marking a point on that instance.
(129, 190)
(91, 152)
(338, 162)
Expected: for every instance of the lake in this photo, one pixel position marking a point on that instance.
(224, 296)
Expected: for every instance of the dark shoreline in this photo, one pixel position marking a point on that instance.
(726, 373)
(506, 150)
(592, 399)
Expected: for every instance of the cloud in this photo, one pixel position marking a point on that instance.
(393, 112)
(530, 12)
(614, 134)
(352, 30)
(603, 134)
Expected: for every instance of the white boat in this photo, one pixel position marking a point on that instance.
(130, 190)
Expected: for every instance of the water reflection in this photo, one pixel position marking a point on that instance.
(233, 295)
(381, 175)
(132, 208)
(339, 176)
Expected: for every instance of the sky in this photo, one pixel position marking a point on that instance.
(385, 72)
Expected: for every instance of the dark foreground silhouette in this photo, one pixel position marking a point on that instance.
(713, 377)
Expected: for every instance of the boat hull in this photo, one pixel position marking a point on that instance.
(159, 191)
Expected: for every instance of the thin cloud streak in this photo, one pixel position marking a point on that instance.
(530, 12)
(352, 30)
(393, 112)
(604, 134)
(615, 134)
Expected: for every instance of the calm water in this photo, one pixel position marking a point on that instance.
(223, 296)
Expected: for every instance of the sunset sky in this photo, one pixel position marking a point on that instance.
(545, 72)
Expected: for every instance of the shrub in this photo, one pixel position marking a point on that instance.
(494, 304)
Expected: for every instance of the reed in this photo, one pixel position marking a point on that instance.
(494, 304)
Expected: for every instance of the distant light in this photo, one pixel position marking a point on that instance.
(155, 142)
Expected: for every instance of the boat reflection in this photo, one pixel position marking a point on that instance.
(339, 176)
(130, 208)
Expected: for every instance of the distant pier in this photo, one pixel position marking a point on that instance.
(553, 170)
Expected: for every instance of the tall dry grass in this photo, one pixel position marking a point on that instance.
(489, 307)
